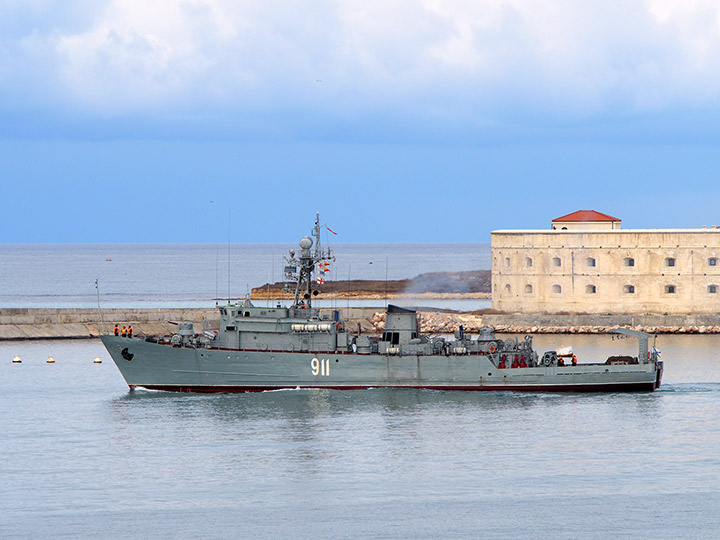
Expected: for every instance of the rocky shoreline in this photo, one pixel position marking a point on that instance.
(433, 322)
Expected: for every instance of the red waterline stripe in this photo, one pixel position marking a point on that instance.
(613, 387)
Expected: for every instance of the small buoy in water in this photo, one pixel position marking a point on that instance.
(50, 360)
(16, 360)
(97, 360)
(108, 259)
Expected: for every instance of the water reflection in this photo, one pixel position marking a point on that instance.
(304, 415)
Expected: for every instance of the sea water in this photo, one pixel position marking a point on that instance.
(83, 457)
(195, 275)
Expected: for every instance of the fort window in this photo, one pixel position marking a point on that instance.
(669, 289)
(556, 261)
(528, 262)
(590, 261)
(591, 289)
(557, 289)
(628, 261)
(670, 261)
(712, 289)
(712, 261)
(528, 288)
(629, 289)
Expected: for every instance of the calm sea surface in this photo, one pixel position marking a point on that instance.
(82, 457)
(194, 275)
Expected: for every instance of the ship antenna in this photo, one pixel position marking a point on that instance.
(228, 257)
(386, 281)
(102, 322)
(272, 274)
(217, 274)
(347, 313)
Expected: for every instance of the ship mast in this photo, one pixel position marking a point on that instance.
(301, 270)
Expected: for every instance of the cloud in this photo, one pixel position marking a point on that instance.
(468, 62)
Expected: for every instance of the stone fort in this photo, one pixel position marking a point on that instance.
(586, 263)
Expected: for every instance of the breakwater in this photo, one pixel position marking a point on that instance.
(61, 323)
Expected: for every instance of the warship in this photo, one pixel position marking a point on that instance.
(299, 346)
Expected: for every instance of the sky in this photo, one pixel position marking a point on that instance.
(399, 121)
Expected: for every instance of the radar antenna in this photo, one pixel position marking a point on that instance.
(300, 270)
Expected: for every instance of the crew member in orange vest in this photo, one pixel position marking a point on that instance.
(124, 331)
(117, 329)
(130, 331)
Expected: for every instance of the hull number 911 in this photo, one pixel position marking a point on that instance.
(320, 366)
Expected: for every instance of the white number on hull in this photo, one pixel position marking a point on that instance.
(320, 367)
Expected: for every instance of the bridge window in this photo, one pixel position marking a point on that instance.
(508, 289)
(507, 262)
(628, 261)
(556, 261)
(590, 261)
(528, 262)
(669, 289)
(712, 261)
(629, 289)
(591, 289)
(712, 289)
(557, 289)
(670, 261)
(392, 337)
(528, 288)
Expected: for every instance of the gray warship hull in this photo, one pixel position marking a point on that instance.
(187, 369)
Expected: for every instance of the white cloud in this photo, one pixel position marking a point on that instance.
(455, 58)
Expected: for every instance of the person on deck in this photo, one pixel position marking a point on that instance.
(124, 331)
(117, 330)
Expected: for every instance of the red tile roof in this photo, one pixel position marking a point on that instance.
(586, 215)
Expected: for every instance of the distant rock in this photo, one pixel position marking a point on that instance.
(469, 282)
